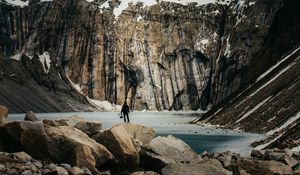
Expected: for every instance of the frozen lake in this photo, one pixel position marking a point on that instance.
(200, 138)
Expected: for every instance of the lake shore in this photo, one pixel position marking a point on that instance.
(74, 145)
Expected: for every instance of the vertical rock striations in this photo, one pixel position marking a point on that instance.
(166, 56)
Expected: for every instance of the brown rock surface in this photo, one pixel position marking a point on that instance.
(3, 114)
(120, 143)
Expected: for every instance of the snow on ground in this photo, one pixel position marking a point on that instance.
(276, 65)
(252, 110)
(105, 105)
(286, 124)
(266, 144)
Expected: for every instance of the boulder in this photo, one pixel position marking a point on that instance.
(3, 114)
(22, 156)
(75, 171)
(258, 154)
(120, 143)
(209, 167)
(142, 133)
(54, 143)
(289, 160)
(90, 128)
(64, 139)
(61, 171)
(70, 121)
(275, 156)
(82, 157)
(30, 136)
(30, 116)
(67, 121)
(259, 167)
(166, 150)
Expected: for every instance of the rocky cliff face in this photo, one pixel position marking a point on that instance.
(270, 103)
(164, 56)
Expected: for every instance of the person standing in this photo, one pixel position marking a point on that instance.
(125, 112)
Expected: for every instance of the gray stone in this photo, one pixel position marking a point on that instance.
(51, 166)
(22, 156)
(30, 116)
(258, 167)
(275, 156)
(27, 172)
(38, 164)
(142, 133)
(66, 166)
(289, 160)
(89, 128)
(75, 171)
(167, 150)
(61, 171)
(71, 121)
(12, 171)
(2, 167)
(258, 154)
(203, 168)
(87, 171)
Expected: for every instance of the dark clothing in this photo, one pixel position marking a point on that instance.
(125, 111)
(126, 116)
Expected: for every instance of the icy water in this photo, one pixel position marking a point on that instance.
(200, 138)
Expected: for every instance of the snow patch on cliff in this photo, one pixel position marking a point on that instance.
(105, 105)
(45, 60)
(252, 110)
(276, 65)
(275, 77)
(266, 144)
(125, 3)
(18, 2)
(286, 124)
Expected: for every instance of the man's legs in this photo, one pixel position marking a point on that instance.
(126, 116)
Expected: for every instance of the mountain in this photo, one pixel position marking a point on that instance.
(270, 106)
(159, 56)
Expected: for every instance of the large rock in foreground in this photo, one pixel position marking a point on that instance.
(64, 139)
(54, 143)
(142, 133)
(90, 128)
(121, 144)
(162, 151)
